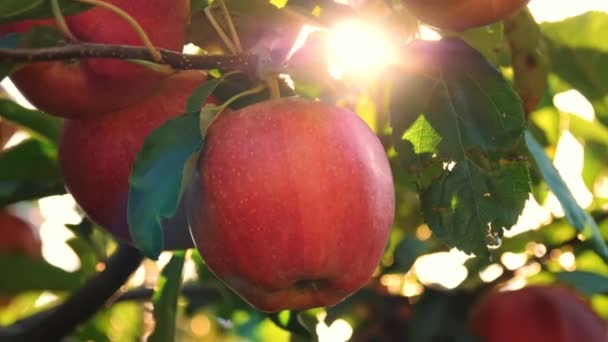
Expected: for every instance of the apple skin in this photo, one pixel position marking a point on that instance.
(96, 86)
(537, 314)
(96, 156)
(17, 236)
(293, 204)
(459, 15)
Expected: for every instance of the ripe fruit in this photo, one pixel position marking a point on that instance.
(16, 237)
(462, 14)
(96, 155)
(293, 205)
(539, 314)
(6, 132)
(95, 86)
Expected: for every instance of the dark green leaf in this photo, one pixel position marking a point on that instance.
(35, 121)
(29, 171)
(466, 206)
(17, 10)
(158, 179)
(165, 299)
(457, 128)
(291, 321)
(442, 316)
(580, 219)
(587, 283)
(39, 275)
(201, 94)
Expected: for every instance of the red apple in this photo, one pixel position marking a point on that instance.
(294, 203)
(17, 236)
(96, 86)
(462, 14)
(96, 155)
(537, 314)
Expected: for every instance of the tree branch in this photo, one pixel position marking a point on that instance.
(248, 63)
(57, 322)
(145, 294)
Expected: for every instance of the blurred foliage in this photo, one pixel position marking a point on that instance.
(451, 117)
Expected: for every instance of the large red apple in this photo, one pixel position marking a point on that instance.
(294, 203)
(537, 314)
(96, 156)
(462, 14)
(94, 86)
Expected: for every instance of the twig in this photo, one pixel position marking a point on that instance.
(57, 322)
(145, 294)
(246, 63)
(220, 32)
(231, 27)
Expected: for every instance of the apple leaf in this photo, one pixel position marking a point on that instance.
(292, 321)
(36, 122)
(161, 171)
(40, 276)
(29, 171)
(577, 216)
(588, 283)
(579, 56)
(165, 299)
(458, 131)
(17, 10)
(156, 180)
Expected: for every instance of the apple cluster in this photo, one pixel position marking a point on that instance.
(292, 202)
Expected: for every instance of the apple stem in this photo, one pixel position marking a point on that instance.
(60, 21)
(154, 52)
(231, 27)
(220, 32)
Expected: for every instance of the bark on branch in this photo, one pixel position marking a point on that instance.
(247, 63)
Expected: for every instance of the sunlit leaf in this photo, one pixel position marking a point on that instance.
(35, 121)
(458, 129)
(165, 299)
(576, 215)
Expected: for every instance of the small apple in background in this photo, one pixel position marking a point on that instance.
(17, 237)
(537, 314)
(96, 156)
(7, 130)
(293, 205)
(460, 15)
(91, 87)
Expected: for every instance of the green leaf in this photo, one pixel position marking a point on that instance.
(581, 220)
(466, 206)
(158, 178)
(40, 276)
(165, 299)
(292, 321)
(587, 283)
(489, 40)
(17, 10)
(579, 56)
(458, 130)
(201, 94)
(29, 171)
(442, 316)
(35, 121)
